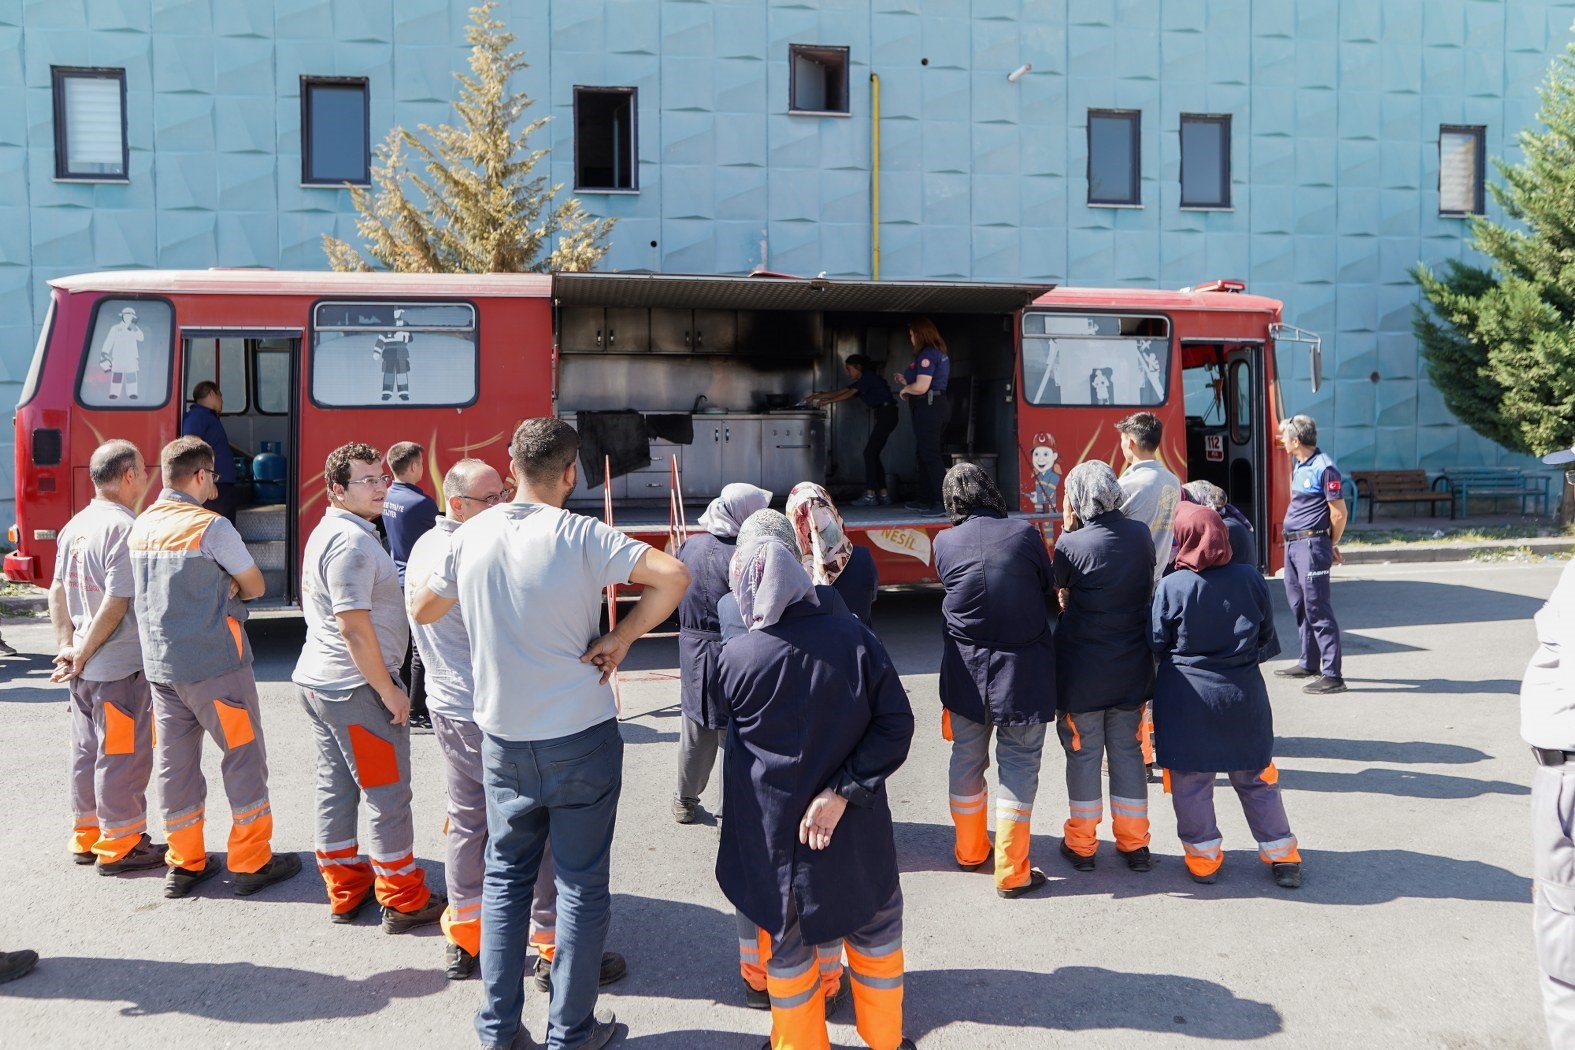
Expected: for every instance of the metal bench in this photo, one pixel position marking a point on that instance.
(1493, 483)
(1399, 486)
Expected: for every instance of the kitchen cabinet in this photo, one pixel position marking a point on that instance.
(726, 449)
(614, 329)
(792, 449)
(694, 331)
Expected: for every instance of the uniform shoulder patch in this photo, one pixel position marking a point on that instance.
(924, 362)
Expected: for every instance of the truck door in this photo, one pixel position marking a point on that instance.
(1246, 439)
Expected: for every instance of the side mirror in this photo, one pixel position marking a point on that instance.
(1315, 364)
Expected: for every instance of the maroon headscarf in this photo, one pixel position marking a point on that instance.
(1202, 540)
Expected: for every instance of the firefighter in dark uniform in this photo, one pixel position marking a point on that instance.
(1314, 521)
(924, 384)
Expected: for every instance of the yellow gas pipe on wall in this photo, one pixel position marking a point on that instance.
(875, 176)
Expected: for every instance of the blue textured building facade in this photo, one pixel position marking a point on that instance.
(1334, 157)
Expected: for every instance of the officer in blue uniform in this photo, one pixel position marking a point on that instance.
(1314, 521)
(924, 384)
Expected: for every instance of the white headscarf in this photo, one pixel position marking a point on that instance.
(770, 579)
(727, 512)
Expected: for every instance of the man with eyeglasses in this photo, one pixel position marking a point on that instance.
(348, 675)
(471, 486)
(191, 576)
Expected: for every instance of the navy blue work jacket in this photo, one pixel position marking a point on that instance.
(857, 583)
(997, 647)
(1101, 646)
(813, 702)
(1243, 543)
(699, 632)
(203, 422)
(732, 620)
(1210, 631)
(408, 514)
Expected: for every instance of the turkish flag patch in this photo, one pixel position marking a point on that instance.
(924, 362)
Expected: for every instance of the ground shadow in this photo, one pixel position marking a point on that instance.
(1419, 751)
(27, 680)
(1389, 602)
(1356, 642)
(1402, 783)
(240, 992)
(1423, 686)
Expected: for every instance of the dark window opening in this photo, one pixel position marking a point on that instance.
(90, 124)
(1462, 155)
(1205, 161)
(1115, 156)
(817, 79)
(335, 117)
(604, 139)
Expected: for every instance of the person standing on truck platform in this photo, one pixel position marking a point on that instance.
(1547, 723)
(192, 575)
(924, 384)
(998, 669)
(1104, 567)
(202, 421)
(408, 514)
(99, 656)
(356, 633)
(703, 723)
(1314, 522)
(871, 389)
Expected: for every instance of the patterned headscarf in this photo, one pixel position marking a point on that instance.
(729, 510)
(761, 525)
(821, 535)
(769, 580)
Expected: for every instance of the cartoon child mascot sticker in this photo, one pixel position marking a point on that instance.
(393, 350)
(1044, 497)
(120, 354)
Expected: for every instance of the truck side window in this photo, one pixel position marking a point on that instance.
(1095, 359)
(393, 354)
(126, 363)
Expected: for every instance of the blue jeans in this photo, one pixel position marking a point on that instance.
(566, 789)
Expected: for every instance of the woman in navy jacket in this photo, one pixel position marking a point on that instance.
(1104, 566)
(1212, 626)
(818, 721)
(997, 671)
(704, 721)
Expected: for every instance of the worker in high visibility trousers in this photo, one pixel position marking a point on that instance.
(807, 852)
(1104, 571)
(1211, 626)
(356, 636)
(192, 575)
(470, 487)
(99, 656)
(997, 671)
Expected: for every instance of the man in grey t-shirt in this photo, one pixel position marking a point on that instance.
(530, 577)
(1150, 492)
(99, 657)
(356, 635)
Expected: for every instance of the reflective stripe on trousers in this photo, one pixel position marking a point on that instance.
(1019, 750)
(1192, 795)
(1092, 739)
(111, 763)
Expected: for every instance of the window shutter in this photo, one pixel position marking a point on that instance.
(93, 126)
(1457, 172)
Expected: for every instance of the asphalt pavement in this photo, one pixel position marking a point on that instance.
(1409, 794)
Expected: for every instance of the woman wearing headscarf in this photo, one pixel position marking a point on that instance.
(773, 525)
(1104, 569)
(830, 557)
(1211, 627)
(1243, 544)
(818, 721)
(997, 671)
(704, 720)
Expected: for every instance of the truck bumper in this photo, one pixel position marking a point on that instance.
(21, 568)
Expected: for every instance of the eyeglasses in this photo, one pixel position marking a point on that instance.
(384, 480)
(1569, 477)
(491, 501)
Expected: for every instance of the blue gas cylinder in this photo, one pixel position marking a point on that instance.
(269, 471)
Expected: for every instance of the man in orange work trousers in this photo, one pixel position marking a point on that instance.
(470, 487)
(190, 568)
(100, 658)
(356, 635)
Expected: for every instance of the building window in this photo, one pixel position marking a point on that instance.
(394, 354)
(335, 116)
(817, 79)
(604, 139)
(90, 124)
(1095, 359)
(1205, 161)
(1462, 155)
(1115, 156)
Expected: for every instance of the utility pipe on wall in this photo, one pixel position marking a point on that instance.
(874, 176)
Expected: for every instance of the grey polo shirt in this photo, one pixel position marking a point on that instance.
(345, 568)
(444, 645)
(93, 563)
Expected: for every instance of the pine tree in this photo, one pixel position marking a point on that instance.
(476, 204)
(1502, 346)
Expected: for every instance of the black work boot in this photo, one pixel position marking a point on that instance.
(346, 918)
(1138, 859)
(1288, 875)
(613, 969)
(141, 857)
(405, 921)
(280, 866)
(181, 881)
(1076, 859)
(1325, 684)
(16, 964)
(459, 965)
(1298, 671)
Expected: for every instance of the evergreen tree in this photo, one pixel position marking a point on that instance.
(475, 205)
(1502, 346)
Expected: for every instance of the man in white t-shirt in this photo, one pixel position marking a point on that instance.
(1149, 491)
(530, 576)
